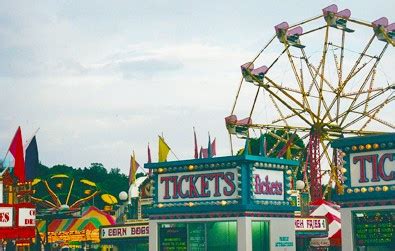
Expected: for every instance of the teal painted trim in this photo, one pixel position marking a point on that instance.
(245, 181)
(380, 138)
(237, 158)
(213, 209)
(272, 160)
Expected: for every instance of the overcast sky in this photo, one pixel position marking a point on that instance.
(103, 78)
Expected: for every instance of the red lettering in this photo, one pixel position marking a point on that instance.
(362, 166)
(382, 173)
(229, 178)
(204, 187)
(166, 180)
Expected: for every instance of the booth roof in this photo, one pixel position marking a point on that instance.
(92, 218)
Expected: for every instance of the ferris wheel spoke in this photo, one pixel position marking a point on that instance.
(314, 81)
(242, 78)
(372, 97)
(290, 97)
(357, 62)
(322, 73)
(278, 110)
(371, 116)
(366, 80)
(286, 117)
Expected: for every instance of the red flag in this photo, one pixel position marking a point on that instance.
(16, 149)
(213, 148)
(196, 147)
(203, 152)
(149, 154)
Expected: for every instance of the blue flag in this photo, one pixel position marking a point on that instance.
(31, 160)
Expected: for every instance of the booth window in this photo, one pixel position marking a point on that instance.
(198, 236)
(374, 230)
(222, 236)
(260, 236)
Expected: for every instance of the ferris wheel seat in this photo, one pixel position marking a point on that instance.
(281, 27)
(330, 9)
(337, 19)
(260, 72)
(383, 31)
(381, 22)
(344, 14)
(297, 31)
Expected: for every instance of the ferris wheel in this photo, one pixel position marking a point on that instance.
(323, 78)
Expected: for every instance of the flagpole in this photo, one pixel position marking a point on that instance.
(231, 144)
(28, 141)
(174, 154)
(170, 148)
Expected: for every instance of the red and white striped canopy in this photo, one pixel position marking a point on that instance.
(331, 212)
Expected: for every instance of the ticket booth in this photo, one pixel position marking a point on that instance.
(368, 202)
(224, 203)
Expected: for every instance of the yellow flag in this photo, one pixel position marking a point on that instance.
(133, 169)
(163, 150)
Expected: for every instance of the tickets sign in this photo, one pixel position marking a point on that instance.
(6, 216)
(372, 168)
(27, 217)
(195, 186)
(268, 184)
(130, 231)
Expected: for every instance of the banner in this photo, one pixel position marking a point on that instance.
(27, 217)
(6, 216)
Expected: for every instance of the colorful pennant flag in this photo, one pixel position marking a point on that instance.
(163, 150)
(210, 151)
(133, 169)
(16, 149)
(31, 161)
(149, 159)
(149, 154)
(196, 146)
(214, 148)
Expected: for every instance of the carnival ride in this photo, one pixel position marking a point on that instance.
(319, 90)
(59, 193)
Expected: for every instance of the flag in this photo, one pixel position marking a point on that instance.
(133, 169)
(209, 147)
(149, 154)
(196, 147)
(203, 153)
(31, 162)
(16, 149)
(163, 150)
(214, 148)
(149, 159)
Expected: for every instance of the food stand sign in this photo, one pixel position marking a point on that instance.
(126, 231)
(310, 224)
(6, 216)
(198, 186)
(27, 217)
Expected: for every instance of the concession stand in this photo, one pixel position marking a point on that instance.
(224, 203)
(368, 203)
